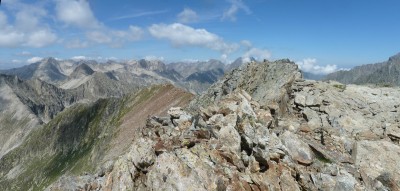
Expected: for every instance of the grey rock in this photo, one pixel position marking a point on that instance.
(375, 158)
(297, 149)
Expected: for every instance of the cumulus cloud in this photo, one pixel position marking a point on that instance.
(187, 16)
(79, 58)
(236, 5)
(76, 13)
(134, 33)
(27, 30)
(34, 60)
(225, 59)
(256, 53)
(182, 35)
(40, 38)
(310, 65)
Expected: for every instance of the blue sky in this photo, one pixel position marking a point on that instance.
(320, 35)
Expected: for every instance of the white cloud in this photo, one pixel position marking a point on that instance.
(28, 28)
(15, 61)
(134, 33)
(225, 59)
(40, 38)
(3, 19)
(182, 35)
(10, 38)
(33, 60)
(154, 58)
(98, 37)
(246, 44)
(24, 53)
(187, 16)
(76, 13)
(76, 43)
(139, 14)
(236, 5)
(258, 54)
(79, 58)
(310, 65)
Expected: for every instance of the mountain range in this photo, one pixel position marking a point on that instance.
(385, 73)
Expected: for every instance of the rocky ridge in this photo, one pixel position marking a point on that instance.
(383, 74)
(262, 127)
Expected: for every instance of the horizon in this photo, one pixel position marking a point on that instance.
(324, 36)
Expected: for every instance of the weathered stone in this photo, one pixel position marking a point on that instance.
(312, 118)
(375, 158)
(297, 149)
(288, 182)
(228, 136)
(169, 173)
(142, 154)
(176, 112)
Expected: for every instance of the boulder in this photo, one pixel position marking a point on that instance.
(297, 149)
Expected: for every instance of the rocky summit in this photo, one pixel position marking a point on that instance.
(260, 127)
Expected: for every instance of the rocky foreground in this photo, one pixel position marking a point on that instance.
(262, 127)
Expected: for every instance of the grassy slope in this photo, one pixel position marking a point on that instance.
(77, 140)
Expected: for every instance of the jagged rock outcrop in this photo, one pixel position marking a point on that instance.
(267, 82)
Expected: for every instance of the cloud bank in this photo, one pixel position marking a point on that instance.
(182, 35)
(310, 65)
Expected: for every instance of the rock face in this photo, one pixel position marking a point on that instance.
(261, 127)
(384, 74)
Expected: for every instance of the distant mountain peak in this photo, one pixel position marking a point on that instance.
(82, 69)
(395, 58)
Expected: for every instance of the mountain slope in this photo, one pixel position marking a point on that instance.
(83, 137)
(16, 119)
(48, 70)
(385, 73)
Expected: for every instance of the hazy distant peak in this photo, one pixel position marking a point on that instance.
(395, 58)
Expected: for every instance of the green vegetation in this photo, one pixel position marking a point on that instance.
(387, 85)
(72, 143)
(63, 145)
(341, 87)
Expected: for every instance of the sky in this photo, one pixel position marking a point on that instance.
(321, 36)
